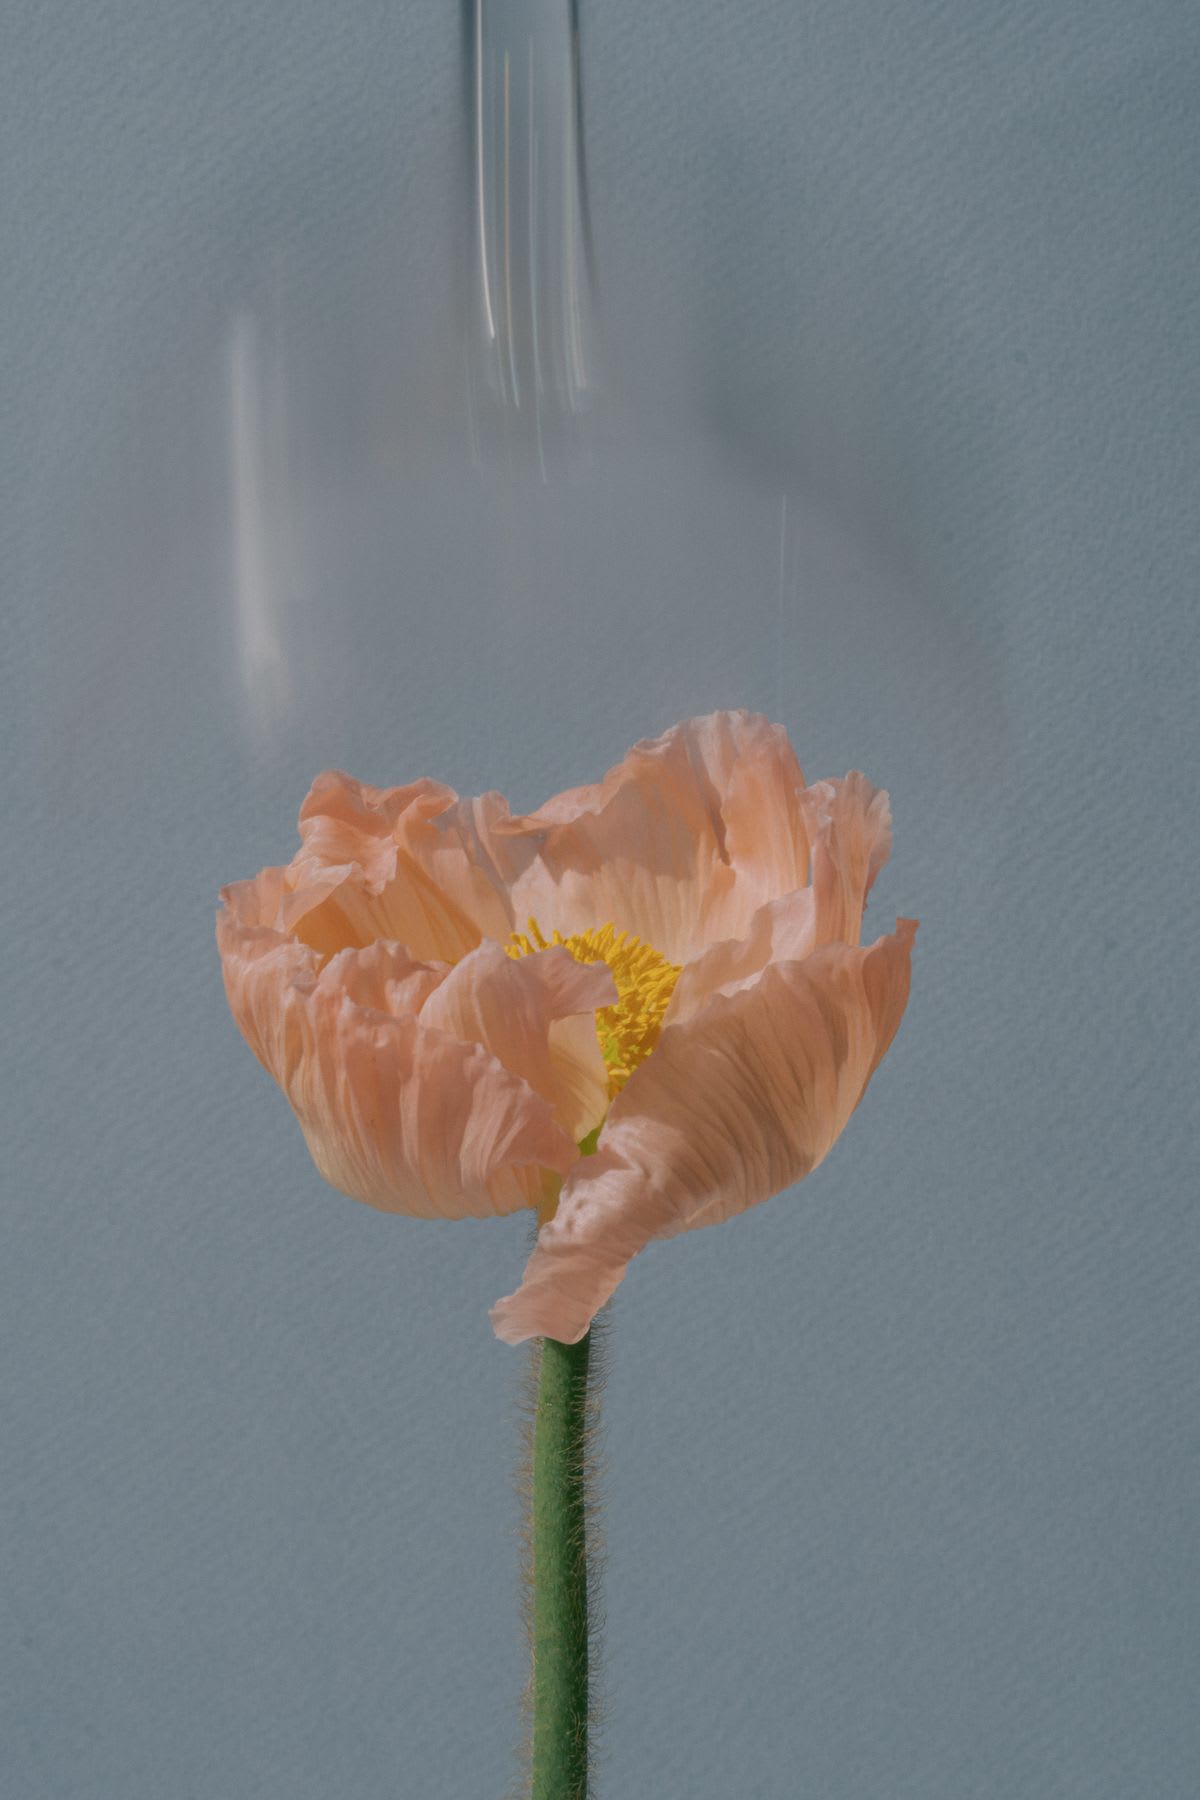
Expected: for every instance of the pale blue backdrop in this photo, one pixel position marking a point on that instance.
(895, 437)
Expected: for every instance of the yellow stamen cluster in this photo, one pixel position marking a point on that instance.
(629, 1030)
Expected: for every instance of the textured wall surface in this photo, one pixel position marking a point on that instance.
(897, 440)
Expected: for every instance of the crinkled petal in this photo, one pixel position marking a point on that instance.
(389, 863)
(783, 930)
(386, 977)
(537, 1015)
(679, 844)
(850, 828)
(402, 1115)
(258, 961)
(736, 1103)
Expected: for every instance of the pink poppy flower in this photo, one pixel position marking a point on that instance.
(640, 1009)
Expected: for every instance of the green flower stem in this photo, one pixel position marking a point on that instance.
(560, 1586)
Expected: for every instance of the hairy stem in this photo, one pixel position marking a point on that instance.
(560, 1573)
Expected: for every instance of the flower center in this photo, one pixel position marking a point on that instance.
(629, 1029)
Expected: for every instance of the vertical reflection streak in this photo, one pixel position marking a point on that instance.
(508, 299)
(529, 354)
(485, 281)
(577, 368)
(253, 454)
(538, 381)
(495, 120)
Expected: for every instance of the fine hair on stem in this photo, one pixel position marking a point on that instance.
(594, 1469)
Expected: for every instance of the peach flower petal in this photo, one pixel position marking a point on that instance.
(783, 930)
(850, 834)
(738, 1102)
(388, 863)
(397, 1113)
(850, 827)
(511, 1006)
(679, 844)
(435, 1075)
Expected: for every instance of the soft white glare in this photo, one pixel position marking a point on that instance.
(257, 465)
(531, 356)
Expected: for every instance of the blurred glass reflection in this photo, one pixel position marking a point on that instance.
(531, 357)
(259, 524)
(394, 479)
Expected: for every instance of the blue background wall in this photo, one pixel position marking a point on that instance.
(896, 440)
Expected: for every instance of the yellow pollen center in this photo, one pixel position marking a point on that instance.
(629, 1029)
